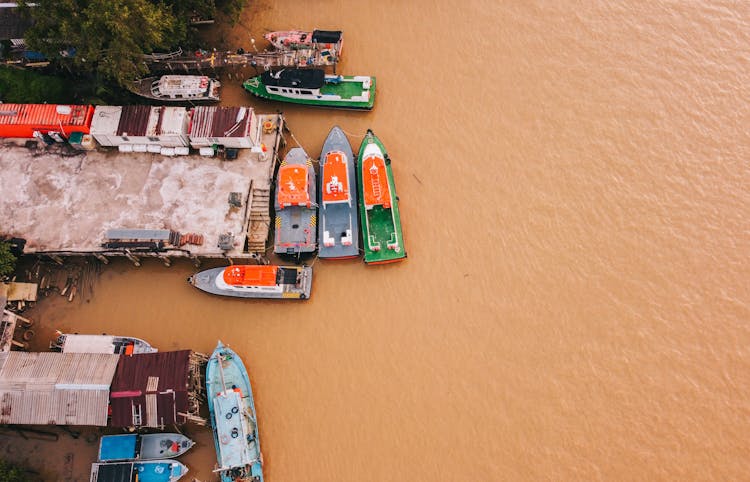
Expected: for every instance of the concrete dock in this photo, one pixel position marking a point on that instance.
(67, 203)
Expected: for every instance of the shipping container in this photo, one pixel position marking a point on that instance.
(23, 120)
(233, 127)
(140, 125)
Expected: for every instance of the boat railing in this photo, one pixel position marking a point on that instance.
(156, 56)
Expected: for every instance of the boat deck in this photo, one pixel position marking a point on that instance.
(65, 204)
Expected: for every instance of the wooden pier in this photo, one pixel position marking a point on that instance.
(211, 61)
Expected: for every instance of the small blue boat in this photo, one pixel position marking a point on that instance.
(152, 471)
(232, 410)
(131, 447)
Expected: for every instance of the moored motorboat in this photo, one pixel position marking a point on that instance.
(314, 87)
(233, 417)
(295, 206)
(379, 213)
(338, 233)
(131, 447)
(75, 343)
(302, 39)
(178, 88)
(151, 471)
(256, 281)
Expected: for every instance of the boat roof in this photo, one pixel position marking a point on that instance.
(293, 185)
(251, 275)
(326, 36)
(119, 472)
(232, 450)
(183, 84)
(375, 180)
(117, 447)
(299, 78)
(335, 178)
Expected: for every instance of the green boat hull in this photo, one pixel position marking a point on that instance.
(382, 236)
(345, 90)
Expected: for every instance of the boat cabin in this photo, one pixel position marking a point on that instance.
(336, 179)
(243, 275)
(185, 87)
(294, 81)
(375, 182)
(293, 189)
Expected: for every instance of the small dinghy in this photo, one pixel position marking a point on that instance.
(338, 234)
(152, 471)
(256, 281)
(131, 447)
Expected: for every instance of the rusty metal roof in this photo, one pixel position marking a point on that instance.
(134, 120)
(215, 121)
(151, 389)
(55, 388)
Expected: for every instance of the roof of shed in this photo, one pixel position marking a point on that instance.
(55, 388)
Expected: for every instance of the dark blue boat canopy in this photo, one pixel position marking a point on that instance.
(298, 78)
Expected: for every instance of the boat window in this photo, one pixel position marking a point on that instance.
(153, 139)
(308, 92)
(125, 139)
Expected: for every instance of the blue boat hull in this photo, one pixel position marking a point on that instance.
(233, 419)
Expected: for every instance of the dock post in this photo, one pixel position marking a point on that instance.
(134, 259)
(167, 261)
(57, 259)
(101, 258)
(196, 261)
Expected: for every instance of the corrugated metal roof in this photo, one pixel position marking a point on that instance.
(55, 388)
(134, 120)
(153, 384)
(215, 121)
(44, 114)
(172, 121)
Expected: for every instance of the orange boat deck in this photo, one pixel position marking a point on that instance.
(375, 182)
(293, 186)
(336, 178)
(243, 275)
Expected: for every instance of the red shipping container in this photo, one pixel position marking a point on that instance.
(22, 120)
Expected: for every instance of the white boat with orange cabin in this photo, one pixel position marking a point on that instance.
(256, 281)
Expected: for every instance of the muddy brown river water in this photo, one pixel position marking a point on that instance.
(574, 191)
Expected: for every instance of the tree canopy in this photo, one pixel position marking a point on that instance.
(7, 260)
(110, 36)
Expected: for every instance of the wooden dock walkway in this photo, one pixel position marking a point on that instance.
(211, 61)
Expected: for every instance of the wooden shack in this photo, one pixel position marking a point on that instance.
(156, 389)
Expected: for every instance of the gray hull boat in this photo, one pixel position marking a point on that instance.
(338, 236)
(296, 206)
(154, 446)
(256, 281)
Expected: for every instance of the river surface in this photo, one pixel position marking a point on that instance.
(575, 306)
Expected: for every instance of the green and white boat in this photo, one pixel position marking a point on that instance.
(378, 204)
(314, 87)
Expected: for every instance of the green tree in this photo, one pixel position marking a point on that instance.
(7, 264)
(109, 35)
(8, 473)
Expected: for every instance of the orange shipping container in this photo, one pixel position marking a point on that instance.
(22, 120)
